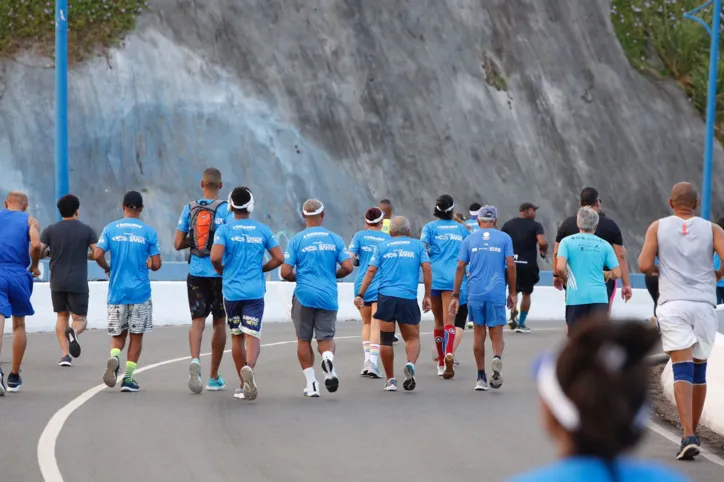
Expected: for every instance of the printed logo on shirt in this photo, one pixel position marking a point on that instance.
(486, 235)
(315, 235)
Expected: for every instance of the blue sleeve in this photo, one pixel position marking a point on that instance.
(103, 239)
(426, 236)
(377, 256)
(220, 236)
(183, 220)
(223, 213)
(290, 255)
(342, 254)
(424, 257)
(152, 238)
(563, 249)
(271, 241)
(717, 261)
(611, 259)
(464, 253)
(354, 244)
(509, 253)
(464, 231)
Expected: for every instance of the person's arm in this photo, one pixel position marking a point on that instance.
(217, 257)
(180, 242)
(345, 268)
(426, 236)
(719, 247)
(353, 250)
(560, 268)
(427, 280)
(649, 250)
(512, 275)
(558, 282)
(457, 284)
(35, 247)
(277, 259)
(345, 262)
(45, 243)
(154, 252)
(100, 261)
(366, 281)
(542, 241)
(290, 260)
(287, 272)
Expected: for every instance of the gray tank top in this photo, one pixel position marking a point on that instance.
(686, 252)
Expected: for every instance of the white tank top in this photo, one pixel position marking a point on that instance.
(686, 251)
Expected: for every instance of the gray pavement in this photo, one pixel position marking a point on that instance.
(442, 431)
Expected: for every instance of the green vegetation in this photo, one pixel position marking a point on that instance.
(658, 40)
(92, 24)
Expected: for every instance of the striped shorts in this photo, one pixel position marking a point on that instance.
(137, 319)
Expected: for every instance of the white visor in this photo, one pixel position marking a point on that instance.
(314, 213)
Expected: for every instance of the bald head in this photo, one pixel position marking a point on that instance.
(683, 196)
(399, 226)
(16, 201)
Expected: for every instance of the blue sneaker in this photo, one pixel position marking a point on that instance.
(111, 374)
(2, 384)
(688, 449)
(14, 382)
(129, 385)
(409, 384)
(216, 384)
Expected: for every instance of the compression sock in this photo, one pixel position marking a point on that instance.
(130, 368)
(450, 329)
(366, 348)
(374, 354)
(115, 352)
(439, 338)
(521, 319)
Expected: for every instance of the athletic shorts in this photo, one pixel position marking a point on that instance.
(688, 324)
(369, 303)
(16, 288)
(526, 277)
(652, 285)
(244, 317)
(403, 311)
(313, 322)
(487, 313)
(577, 313)
(461, 319)
(75, 303)
(137, 319)
(438, 293)
(719, 295)
(205, 297)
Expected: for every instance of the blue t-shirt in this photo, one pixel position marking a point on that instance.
(363, 246)
(316, 252)
(202, 266)
(586, 254)
(131, 242)
(443, 239)
(398, 263)
(589, 469)
(485, 253)
(717, 265)
(244, 242)
(472, 225)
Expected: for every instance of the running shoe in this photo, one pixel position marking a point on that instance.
(496, 381)
(250, 389)
(313, 391)
(3, 389)
(449, 370)
(409, 384)
(216, 384)
(330, 376)
(390, 385)
(66, 361)
(111, 375)
(457, 363)
(73, 345)
(365, 369)
(14, 382)
(481, 385)
(689, 448)
(239, 393)
(397, 340)
(196, 385)
(522, 329)
(129, 385)
(513, 321)
(470, 325)
(440, 370)
(374, 371)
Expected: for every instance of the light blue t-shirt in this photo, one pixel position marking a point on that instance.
(398, 263)
(131, 242)
(485, 253)
(589, 469)
(363, 246)
(717, 265)
(316, 252)
(586, 255)
(202, 267)
(443, 239)
(472, 225)
(244, 242)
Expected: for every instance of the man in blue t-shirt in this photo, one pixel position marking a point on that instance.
(580, 263)
(396, 264)
(487, 254)
(316, 252)
(238, 255)
(133, 246)
(195, 230)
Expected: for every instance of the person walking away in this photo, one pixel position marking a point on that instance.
(489, 255)
(133, 246)
(442, 239)
(386, 207)
(19, 257)
(238, 255)
(195, 230)
(685, 244)
(396, 263)
(528, 240)
(472, 223)
(70, 244)
(315, 253)
(601, 370)
(582, 259)
(361, 249)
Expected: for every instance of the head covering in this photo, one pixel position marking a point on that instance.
(526, 206)
(488, 213)
(133, 200)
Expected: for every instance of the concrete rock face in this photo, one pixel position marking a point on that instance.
(351, 101)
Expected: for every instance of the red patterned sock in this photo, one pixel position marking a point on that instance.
(439, 337)
(450, 339)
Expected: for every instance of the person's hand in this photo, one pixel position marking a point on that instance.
(454, 306)
(359, 302)
(426, 304)
(719, 273)
(558, 283)
(512, 300)
(148, 263)
(606, 276)
(626, 293)
(35, 271)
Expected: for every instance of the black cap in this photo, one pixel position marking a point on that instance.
(133, 199)
(526, 206)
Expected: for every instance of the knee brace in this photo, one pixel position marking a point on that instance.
(700, 373)
(387, 338)
(683, 371)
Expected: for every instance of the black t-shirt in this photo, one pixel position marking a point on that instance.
(68, 241)
(524, 232)
(607, 230)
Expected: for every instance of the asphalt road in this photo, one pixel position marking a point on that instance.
(441, 431)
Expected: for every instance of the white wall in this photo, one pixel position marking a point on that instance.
(171, 307)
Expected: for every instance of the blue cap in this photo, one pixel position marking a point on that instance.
(488, 212)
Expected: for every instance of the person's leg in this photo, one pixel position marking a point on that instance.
(411, 334)
(449, 326)
(611, 290)
(325, 327)
(303, 319)
(215, 298)
(141, 322)
(461, 320)
(61, 325)
(238, 353)
(387, 352)
(366, 314)
(704, 320)
(20, 343)
(251, 325)
(524, 308)
(118, 322)
(199, 310)
(479, 335)
(698, 394)
(438, 329)
(682, 363)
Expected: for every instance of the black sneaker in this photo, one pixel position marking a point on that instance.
(73, 345)
(14, 382)
(689, 448)
(2, 384)
(66, 361)
(513, 321)
(396, 340)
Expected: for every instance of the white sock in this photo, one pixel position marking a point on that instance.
(328, 355)
(366, 348)
(309, 375)
(374, 354)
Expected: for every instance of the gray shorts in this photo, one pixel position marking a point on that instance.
(137, 319)
(313, 321)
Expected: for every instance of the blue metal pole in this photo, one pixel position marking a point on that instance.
(61, 98)
(711, 112)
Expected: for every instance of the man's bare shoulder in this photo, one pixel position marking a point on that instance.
(33, 223)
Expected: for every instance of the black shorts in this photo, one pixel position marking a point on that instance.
(577, 313)
(526, 277)
(401, 310)
(75, 303)
(369, 303)
(652, 285)
(205, 297)
(461, 318)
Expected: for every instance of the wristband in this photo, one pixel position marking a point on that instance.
(456, 296)
(360, 295)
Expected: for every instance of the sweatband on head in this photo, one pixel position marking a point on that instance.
(249, 206)
(474, 214)
(314, 213)
(375, 221)
(700, 373)
(683, 371)
(445, 210)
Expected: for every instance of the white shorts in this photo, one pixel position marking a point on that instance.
(136, 319)
(688, 324)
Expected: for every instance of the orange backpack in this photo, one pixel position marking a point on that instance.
(202, 225)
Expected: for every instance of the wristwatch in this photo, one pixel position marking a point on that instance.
(456, 296)
(360, 295)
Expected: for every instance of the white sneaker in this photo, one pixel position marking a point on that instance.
(330, 376)
(365, 369)
(196, 385)
(470, 325)
(313, 391)
(239, 393)
(390, 385)
(440, 370)
(374, 371)
(481, 386)
(496, 381)
(250, 389)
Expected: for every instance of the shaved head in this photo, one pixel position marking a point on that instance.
(16, 201)
(211, 178)
(683, 195)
